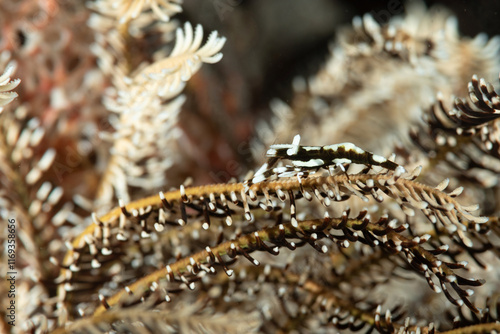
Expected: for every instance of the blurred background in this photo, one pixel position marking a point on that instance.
(269, 43)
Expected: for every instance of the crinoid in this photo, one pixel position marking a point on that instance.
(368, 202)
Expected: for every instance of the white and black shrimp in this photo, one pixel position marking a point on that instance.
(305, 159)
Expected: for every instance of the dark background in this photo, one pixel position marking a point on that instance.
(269, 43)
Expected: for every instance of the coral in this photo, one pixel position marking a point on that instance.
(384, 218)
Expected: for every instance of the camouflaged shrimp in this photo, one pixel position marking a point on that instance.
(311, 158)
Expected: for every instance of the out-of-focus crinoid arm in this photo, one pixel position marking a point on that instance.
(148, 106)
(7, 85)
